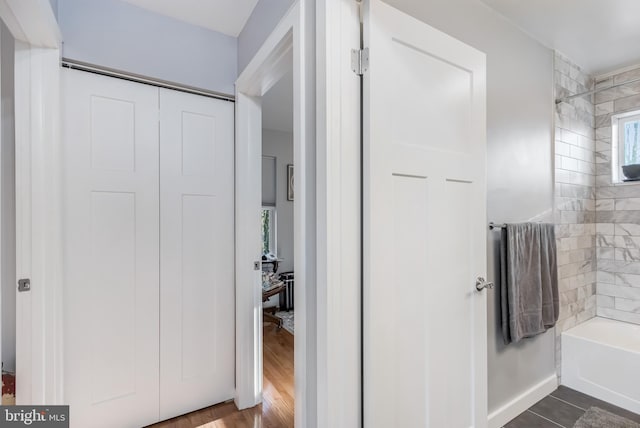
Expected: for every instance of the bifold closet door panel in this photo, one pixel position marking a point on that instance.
(111, 246)
(197, 325)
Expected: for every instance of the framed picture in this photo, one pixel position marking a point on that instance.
(289, 182)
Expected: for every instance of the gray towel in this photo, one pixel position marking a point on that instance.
(528, 280)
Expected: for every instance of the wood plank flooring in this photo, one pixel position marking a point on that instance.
(277, 408)
(562, 408)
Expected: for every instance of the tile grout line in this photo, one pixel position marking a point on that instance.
(569, 403)
(547, 419)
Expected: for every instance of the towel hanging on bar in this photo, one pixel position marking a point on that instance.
(528, 280)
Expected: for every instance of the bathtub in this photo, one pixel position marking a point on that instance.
(601, 358)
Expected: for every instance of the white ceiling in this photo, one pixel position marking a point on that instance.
(224, 16)
(277, 106)
(598, 35)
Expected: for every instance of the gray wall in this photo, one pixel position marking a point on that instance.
(118, 35)
(54, 6)
(279, 145)
(262, 21)
(520, 174)
(7, 203)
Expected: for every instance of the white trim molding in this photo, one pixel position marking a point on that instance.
(286, 48)
(248, 297)
(39, 366)
(522, 402)
(32, 22)
(338, 154)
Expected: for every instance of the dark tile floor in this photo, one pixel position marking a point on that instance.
(562, 408)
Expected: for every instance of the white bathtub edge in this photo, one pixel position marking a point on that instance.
(602, 369)
(513, 408)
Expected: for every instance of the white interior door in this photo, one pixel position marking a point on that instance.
(197, 324)
(425, 226)
(111, 247)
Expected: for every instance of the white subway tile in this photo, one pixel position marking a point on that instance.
(618, 291)
(605, 301)
(628, 204)
(605, 228)
(627, 279)
(619, 315)
(569, 137)
(563, 149)
(605, 204)
(604, 108)
(627, 229)
(627, 305)
(606, 277)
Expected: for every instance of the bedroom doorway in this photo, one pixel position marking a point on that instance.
(282, 56)
(277, 238)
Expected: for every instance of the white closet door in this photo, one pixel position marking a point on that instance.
(197, 323)
(110, 138)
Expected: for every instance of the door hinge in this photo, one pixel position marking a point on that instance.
(24, 285)
(360, 60)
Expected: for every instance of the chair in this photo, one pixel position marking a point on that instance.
(268, 314)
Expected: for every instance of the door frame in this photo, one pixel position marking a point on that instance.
(39, 365)
(339, 215)
(318, 36)
(280, 51)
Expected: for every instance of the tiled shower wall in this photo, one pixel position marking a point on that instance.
(575, 202)
(617, 209)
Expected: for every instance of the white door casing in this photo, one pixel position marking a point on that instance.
(111, 250)
(281, 50)
(424, 226)
(38, 245)
(338, 291)
(196, 253)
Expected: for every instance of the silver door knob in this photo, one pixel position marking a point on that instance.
(482, 283)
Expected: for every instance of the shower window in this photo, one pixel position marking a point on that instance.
(625, 144)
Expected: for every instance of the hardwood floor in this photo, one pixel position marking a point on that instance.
(276, 410)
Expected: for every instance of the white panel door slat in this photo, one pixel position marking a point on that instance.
(111, 246)
(197, 253)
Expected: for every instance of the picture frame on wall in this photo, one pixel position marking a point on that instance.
(289, 182)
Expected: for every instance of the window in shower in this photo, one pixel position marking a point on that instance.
(625, 145)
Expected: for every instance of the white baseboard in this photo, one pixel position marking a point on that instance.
(519, 404)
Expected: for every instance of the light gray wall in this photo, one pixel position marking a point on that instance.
(54, 6)
(520, 186)
(279, 145)
(262, 21)
(7, 202)
(116, 34)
